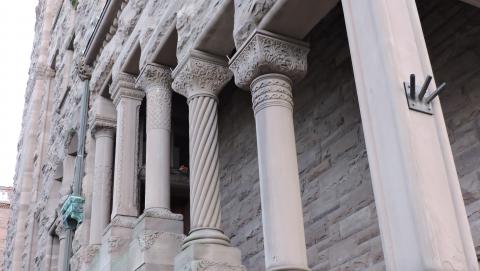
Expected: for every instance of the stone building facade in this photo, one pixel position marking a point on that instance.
(250, 135)
(5, 206)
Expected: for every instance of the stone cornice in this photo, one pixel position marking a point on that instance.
(154, 75)
(264, 53)
(123, 86)
(200, 73)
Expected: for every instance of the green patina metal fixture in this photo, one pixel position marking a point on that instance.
(72, 211)
(74, 3)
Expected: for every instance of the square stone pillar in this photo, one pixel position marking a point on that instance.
(423, 223)
(127, 100)
(200, 77)
(268, 64)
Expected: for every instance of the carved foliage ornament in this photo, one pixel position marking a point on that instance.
(154, 76)
(147, 239)
(200, 73)
(83, 70)
(265, 53)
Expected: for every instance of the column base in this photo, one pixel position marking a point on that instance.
(206, 236)
(158, 238)
(114, 252)
(209, 257)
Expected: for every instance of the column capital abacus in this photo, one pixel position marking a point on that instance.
(265, 53)
(200, 73)
(155, 76)
(105, 116)
(83, 70)
(123, 86)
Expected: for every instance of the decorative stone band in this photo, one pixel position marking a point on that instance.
(202, 74)
(271, 90)
(123, 86)
(83, 70)
(265, 53)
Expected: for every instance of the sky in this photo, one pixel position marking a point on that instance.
(17, 22)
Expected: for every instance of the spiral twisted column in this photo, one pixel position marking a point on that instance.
(156, 81)
(267, 65)
(200, 77)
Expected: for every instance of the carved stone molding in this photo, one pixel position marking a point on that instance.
(90, 253)
(83, 70)
(123, 86)
(200, 73)
(115, 243)
(206, 265)
(154, 76)
(271, 89)
(162, 213)
(147, 239)
(123, 221)
(265, 53)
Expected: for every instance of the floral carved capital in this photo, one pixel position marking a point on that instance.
(200, 73)
(265, 53)
(156, 76)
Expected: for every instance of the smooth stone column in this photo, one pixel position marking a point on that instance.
(104, 131)
(61, 232)
(267, 64)
(422, 218)
(200, 77)
(127, 100)
(158, 232)
(156, 81)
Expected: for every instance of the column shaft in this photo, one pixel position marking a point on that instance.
(157, 179)
(422, 217)
(101, 184)
(267, 64)
(284, 236)
(204, 182)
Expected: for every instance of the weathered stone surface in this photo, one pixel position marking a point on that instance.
(339, 211)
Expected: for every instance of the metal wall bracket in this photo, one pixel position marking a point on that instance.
(421, 101)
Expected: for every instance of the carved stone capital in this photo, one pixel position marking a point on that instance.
(123, 86)
(60, 230)
(83, 70)
(200, 73)
(105, 115)
(154, 76)
(265, 53)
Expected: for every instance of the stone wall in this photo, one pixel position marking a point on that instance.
(339, 210)
(340, 218)
(452, 32)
